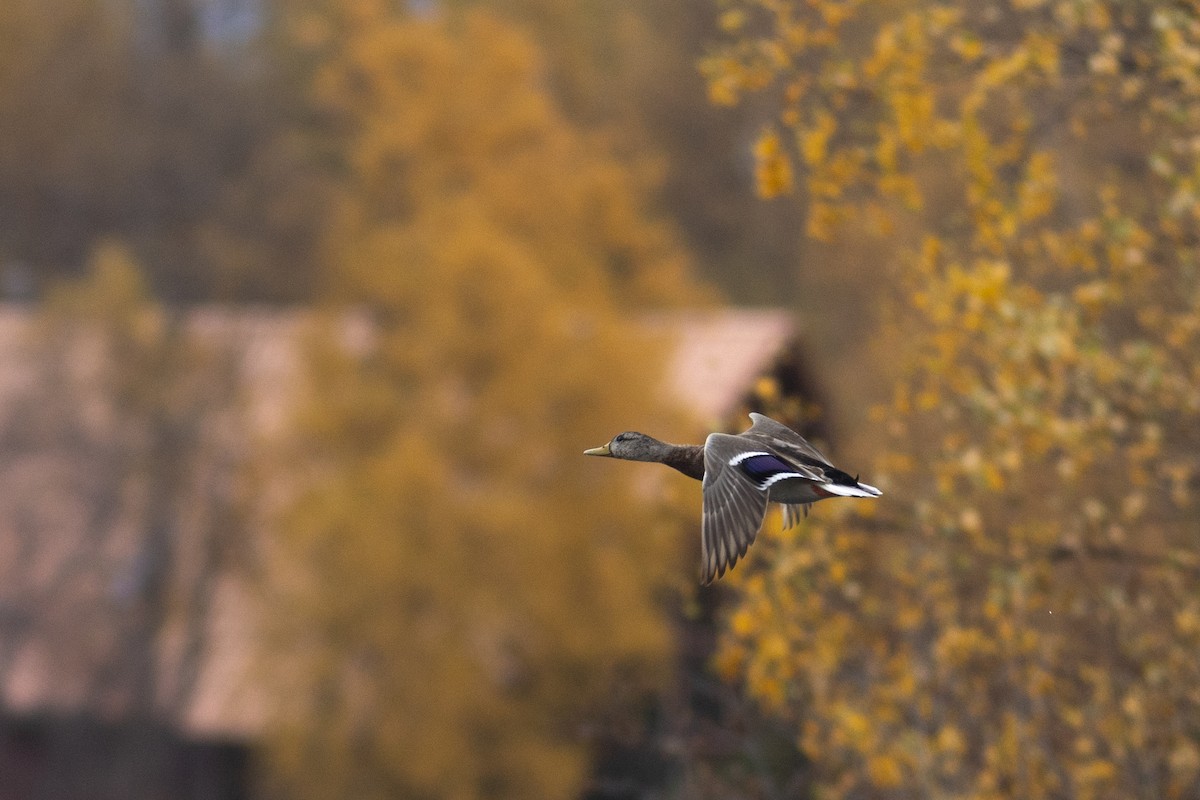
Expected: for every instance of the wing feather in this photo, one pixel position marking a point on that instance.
(784, 440)
(736, 496)
(733, 506)
(792, 513)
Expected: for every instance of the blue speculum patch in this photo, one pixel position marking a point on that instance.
(764, 466)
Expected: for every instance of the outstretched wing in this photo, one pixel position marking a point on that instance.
(808, 462)
(784, 439)
(734, 505)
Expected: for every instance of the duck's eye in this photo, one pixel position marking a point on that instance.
(621, 437)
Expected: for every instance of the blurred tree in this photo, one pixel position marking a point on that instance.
(130, 119)
(120, 513)
(120, 122)
(61, 124)
(1032, 629)
(629, 69)
(469, 596)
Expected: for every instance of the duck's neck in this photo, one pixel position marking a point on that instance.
(687, 458)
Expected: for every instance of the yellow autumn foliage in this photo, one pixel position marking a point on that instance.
(1017, 616)
(465, 596)
(773, 170)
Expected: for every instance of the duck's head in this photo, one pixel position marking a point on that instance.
(630, 446)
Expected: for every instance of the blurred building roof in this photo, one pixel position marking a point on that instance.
(70, 560)
(718, 355)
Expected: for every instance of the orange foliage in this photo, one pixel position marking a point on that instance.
(1018, 621)
(471, 594)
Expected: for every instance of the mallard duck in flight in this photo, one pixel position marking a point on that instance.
(740, 474)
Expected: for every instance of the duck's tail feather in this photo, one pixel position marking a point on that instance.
(857, 490)
(792, 512)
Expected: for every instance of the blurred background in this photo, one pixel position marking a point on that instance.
(308, 309)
